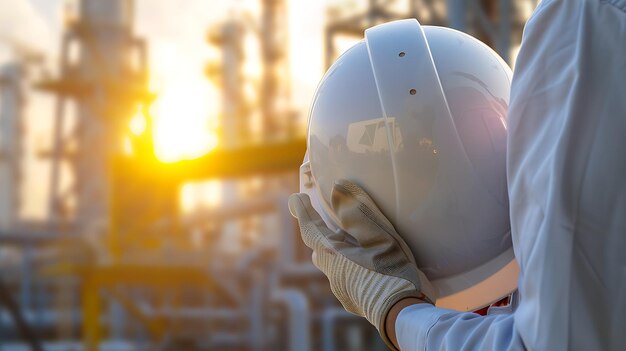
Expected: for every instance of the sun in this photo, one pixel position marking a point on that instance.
(181, 120)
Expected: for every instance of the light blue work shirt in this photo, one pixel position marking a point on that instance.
(566, 167)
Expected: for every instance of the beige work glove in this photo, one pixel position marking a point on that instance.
(369, 266)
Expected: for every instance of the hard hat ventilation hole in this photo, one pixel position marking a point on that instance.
(412, 91)
(401, 54)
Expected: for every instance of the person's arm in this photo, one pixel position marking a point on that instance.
(426, 327)
(418, 325)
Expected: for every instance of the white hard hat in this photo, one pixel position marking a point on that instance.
(416, 115)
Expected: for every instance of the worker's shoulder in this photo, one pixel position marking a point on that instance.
(549, 10)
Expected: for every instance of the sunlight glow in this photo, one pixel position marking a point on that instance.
(138, 123)
(181, 120)
(200, 195)
(127, 146)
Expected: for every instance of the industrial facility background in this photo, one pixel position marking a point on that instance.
(147, 149)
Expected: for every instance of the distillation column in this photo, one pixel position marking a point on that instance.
(103, 73)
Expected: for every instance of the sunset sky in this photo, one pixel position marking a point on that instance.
(176, 32)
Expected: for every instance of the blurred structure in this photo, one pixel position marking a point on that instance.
(118, 265)
(103, 76)
(498, 23)
(12, 102)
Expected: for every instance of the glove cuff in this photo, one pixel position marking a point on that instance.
(386, 307)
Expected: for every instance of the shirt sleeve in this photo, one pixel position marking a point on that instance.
(425, 327)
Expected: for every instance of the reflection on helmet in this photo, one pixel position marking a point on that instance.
(416, 115)
(371, 135)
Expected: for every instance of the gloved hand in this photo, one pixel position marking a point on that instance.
(369, 266)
